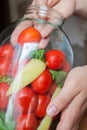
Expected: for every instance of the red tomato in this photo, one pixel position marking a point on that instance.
(43, 101)
(52, 88)
(30, 34)
(42, 84)
(55, 59)
(23, 123)
(66, 66)
(3, 98)
(4, 65)
(7, 50)
(24, 100)
(6, 55)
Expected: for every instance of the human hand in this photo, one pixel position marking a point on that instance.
(65, 7)
(45, 31)
(71, 101)
(28, 23)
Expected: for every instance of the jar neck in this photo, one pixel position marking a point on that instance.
(44, 15)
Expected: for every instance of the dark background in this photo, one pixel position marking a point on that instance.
(4, 14)
(5, 18)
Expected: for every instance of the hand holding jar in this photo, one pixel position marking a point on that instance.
(31, 73)
(71, 101)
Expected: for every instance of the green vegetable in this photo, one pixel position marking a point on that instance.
(2, 120)
(38, 54)
(6, 79)
(59, 78)
(6, 126)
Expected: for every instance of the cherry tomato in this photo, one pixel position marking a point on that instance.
(7, 50)
(52, 88)
(42, 84)
(43, 101)
(30, 34)
(3, 98)
(66, 66)
(6, 55)
(25, 123)
(55, 59)
(24, 100)
(4, 66)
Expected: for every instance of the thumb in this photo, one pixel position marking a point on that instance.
(61, 101)
(65, 7)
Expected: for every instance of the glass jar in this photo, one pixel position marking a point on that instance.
(31, 73)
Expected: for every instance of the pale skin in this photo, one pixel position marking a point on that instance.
(72, 100)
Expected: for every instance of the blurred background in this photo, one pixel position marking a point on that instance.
(75, 27)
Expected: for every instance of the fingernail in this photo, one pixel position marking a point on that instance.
(52, 110)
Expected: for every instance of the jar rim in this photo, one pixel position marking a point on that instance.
(45, 10)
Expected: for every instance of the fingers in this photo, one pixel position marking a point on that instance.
(67, 94)
(65, 7)
(46, 31)
(43, 43)
(69, 91)
(72, 114)
(65, 10)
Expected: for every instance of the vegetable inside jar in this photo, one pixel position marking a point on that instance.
(33, 68)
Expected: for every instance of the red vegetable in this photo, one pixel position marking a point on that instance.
(30, 34)
(3, 98)
(43, 101)
(66, 66)
(4, 66)
(6, 55)
(24, 100)
(7, 50)
(24, 124)
(52, 88)
(42, 84)
(55, 59)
